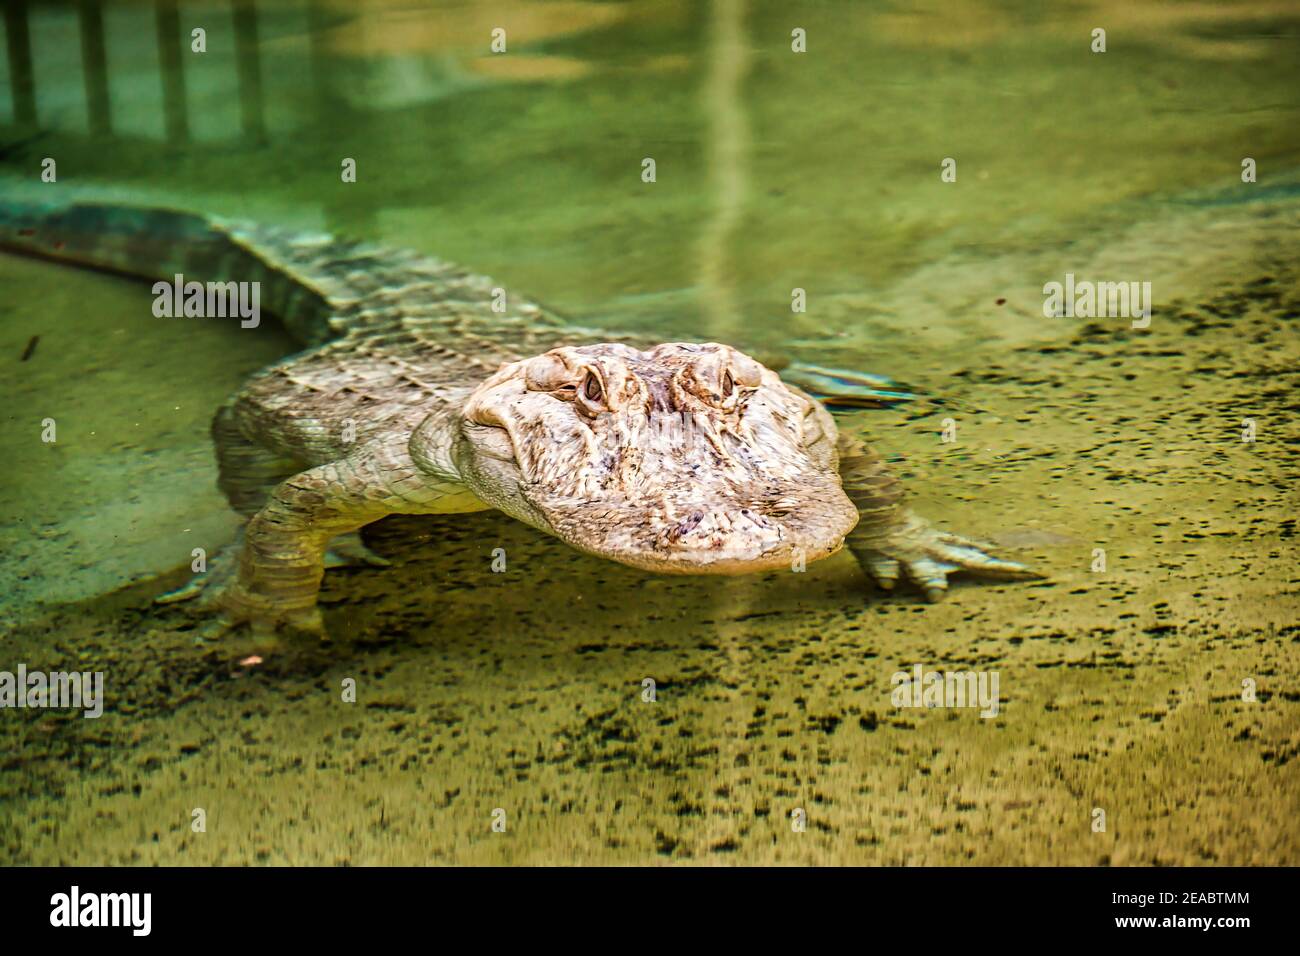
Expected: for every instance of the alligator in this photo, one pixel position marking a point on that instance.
(424, 388)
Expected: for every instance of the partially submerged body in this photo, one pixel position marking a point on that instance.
(427, 390)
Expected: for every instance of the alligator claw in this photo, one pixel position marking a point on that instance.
(349, 551)
(844, 388)
(203, 587)
(884, 570)
(262, 626)
(927, 556)
(187, 591)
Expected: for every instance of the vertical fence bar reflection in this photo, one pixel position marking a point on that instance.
(19, 43)
(250, 69)
(175, 112)
(726, 152)
(318, 22)
(94, 66)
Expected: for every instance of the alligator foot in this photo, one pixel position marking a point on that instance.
(218, 596)
(235, 608)
(202, 588)
(926, 556)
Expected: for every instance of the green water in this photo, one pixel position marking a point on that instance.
(775, 170)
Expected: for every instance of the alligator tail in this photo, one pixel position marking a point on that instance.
(315, 284)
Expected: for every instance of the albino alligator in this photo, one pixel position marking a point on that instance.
(414, 396)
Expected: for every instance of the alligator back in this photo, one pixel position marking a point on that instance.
(320, 287)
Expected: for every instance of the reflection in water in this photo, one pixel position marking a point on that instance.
(726, 144)
(173, 39)
(94, 67)
(173, 74)
(1205, 31)
(19, 44)
(250, 70)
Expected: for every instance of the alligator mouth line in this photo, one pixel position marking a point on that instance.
(702, 535)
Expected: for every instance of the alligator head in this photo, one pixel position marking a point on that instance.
(684, 458)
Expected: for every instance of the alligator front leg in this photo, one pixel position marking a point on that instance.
(891, 541)
(274, 577)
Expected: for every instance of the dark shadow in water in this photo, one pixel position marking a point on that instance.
(21, 80)
(175, 111)
(250, 70)
(94, 66)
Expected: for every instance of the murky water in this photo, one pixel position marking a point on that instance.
(1121, 689)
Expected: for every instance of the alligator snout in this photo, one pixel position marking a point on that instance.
(744, 531)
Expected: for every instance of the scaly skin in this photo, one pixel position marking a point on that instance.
(417, 397)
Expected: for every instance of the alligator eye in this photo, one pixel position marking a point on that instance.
(591, 388)
(728, 384)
